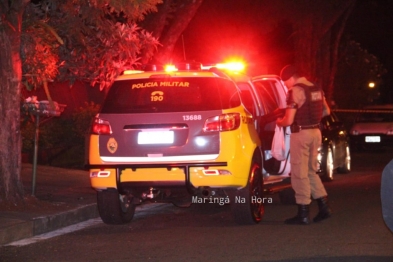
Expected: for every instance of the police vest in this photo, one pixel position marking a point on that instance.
(310, 113)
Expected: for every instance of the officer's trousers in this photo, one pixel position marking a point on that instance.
(304, 178)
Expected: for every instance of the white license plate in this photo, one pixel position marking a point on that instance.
(373, 139)
(155, 137)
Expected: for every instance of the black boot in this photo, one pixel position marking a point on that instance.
(302, 217)
(324, 209)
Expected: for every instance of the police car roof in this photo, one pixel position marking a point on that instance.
(261, 77)
(152, 74)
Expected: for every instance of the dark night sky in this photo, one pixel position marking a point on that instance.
(371, 25)
(207, 40)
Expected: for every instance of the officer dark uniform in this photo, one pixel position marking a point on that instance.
(305, 107)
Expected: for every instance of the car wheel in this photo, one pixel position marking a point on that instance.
(115, 209)
(346, 167)
(183, 203)
(327, 169)
(247, 203)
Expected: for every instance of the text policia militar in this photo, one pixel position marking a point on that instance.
(158, 84)
(225, 200)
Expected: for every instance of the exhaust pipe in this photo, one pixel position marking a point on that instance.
(207, 192)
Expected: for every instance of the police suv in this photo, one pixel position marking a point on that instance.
(185, 134)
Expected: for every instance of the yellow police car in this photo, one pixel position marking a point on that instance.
(179, 135)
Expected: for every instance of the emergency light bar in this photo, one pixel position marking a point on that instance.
(170, 68)
(186, 66)
(232, 66)
(130, 72)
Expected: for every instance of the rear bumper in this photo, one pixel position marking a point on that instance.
(229, 169)
(188, 175)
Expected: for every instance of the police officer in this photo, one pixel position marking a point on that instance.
(306, 105)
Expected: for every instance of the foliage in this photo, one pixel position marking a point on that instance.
(356, 68)
(39, 54)
(83, 40)
(53, 132)
(172, 18)
(82, 119)
(60, 134)
(135, 10)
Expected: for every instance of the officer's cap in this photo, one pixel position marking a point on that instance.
(287, 72)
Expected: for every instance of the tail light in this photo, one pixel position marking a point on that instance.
(225, 122)
(101, 127)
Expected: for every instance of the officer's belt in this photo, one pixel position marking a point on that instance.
(309, 127)
(296, 128)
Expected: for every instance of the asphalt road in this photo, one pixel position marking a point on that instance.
(206, 232)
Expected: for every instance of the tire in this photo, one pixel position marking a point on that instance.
(328, 169)
(247, 203)
(346, 167)
(112, 209)
(183, 203)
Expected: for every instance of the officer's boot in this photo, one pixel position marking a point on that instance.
(324, 209)
(302, 217)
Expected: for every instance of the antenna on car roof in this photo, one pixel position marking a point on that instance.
(184, 48)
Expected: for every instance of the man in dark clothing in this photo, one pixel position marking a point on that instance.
(306, 105)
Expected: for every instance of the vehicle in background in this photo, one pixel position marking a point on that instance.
(334, 153)
(373, 127)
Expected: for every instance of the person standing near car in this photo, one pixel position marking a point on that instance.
(306, 105)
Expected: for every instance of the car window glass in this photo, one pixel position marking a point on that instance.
(171, 95)
(247, 98)
(266, 92)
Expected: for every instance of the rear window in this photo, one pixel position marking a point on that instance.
(171, 95)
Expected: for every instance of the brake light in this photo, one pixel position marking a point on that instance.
(225, 122)
(101, 127)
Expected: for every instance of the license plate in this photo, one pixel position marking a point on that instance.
(373, 139)
(155, 137)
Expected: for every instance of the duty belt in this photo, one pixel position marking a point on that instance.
(295, 128)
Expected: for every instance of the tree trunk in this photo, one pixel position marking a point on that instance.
(11, 187)
(184, 13)
(335, 47)
(316, 43)
(307, 43)
(155, 23)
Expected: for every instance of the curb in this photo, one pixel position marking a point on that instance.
(49, 223)
(17, 229)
